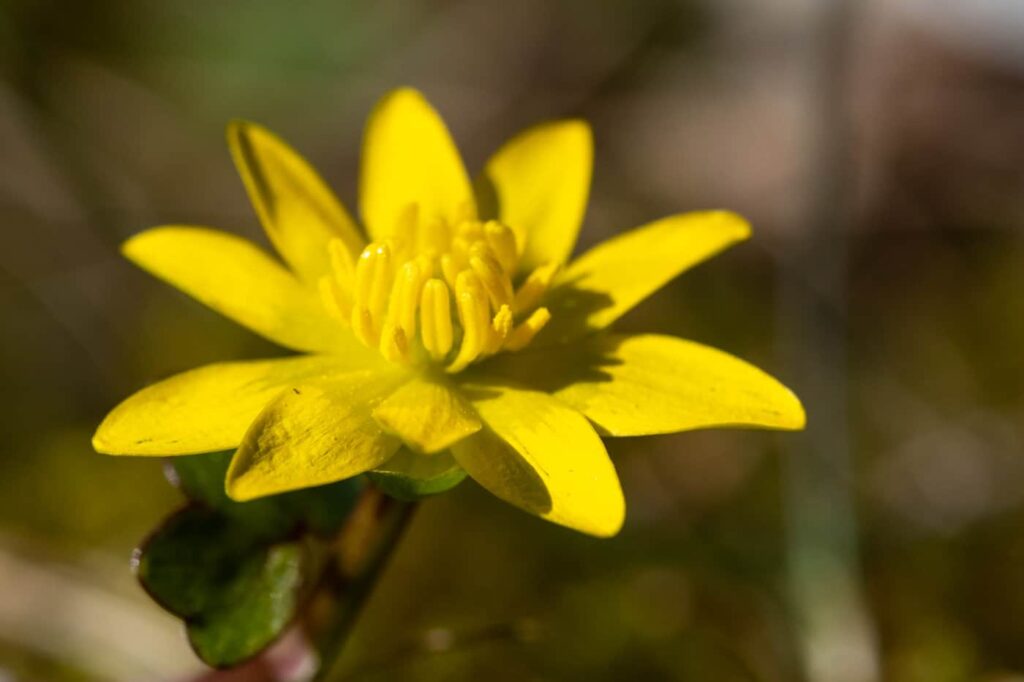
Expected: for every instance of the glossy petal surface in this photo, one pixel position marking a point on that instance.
(205, 409)
(409, 158)
(427, 415)
(242, 282)
(649, 384)
(538, 184)
(298, 210)
(608, 280)
(313, 435)
(544, 457)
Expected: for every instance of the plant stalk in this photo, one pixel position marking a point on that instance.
(355, 564)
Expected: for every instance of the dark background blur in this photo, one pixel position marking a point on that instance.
(878, 149)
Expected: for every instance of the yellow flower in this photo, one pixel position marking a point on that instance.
(456, 341)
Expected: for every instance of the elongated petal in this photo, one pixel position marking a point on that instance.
(427, 415)
(647, 384)
(205, 409)
(608, 280)
(241, 281)
(409, 158)
(313, 435)
(544, 457)
(537, 184)
(298, 210)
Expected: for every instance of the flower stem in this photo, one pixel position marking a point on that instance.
(355, 564)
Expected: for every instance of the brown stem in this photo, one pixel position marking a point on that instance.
(356, 562)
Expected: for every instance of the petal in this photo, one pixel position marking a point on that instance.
(205, 409)
(312, 435)
(537, 184)
(298, 210)
(544, 457)
(409, 158)
(241, 281)
(647, 384)
(427, 414)
(412, 475)
(608, 280)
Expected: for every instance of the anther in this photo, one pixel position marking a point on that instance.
(471, 303)
(523, 334)
(405, 298)
(450, 268)
(362, 326)
(373, 280)
(436, 319)
(394, 344)
(501, 325)
(534, 288)
(503, 245)
(495, 282)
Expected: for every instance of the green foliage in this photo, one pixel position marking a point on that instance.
(236, 573)
(409, 476)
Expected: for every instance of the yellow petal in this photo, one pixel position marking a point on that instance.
(608, 280)
(409, 158)
(205, 409)
(537, 184)
(544, 457)
(241, 281)
(650, 384)
(313, 435)
(298, 210)
(427, 414)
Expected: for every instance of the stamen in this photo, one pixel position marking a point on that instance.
(436, 319)
(451, 267)
(522, 335)
(400, 293)
(503, 244)
(362, 326)
(373, 281)
(501, 325)
(534, 288)
(335, 298)
(394, 344)
(494, 280)
(405, 297)
(471, 302)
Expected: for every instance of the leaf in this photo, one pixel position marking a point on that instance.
(322, 509)
(235, 593)
(253, 609)
(234, 571)
(409, 476)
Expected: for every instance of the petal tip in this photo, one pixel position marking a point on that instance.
(100, 443)
(241, 488)
(609, 529)
(738, 226)
(796, 416)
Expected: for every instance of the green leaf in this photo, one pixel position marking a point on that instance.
(410, 476)
(234, 571)
(252, 609)
(235, 593)
(322, 509)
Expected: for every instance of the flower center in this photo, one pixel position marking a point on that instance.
(439, 292)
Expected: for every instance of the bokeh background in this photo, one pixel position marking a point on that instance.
(878, 149)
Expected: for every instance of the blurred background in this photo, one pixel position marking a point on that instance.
(878, 149)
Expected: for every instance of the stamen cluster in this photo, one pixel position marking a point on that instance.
(398, 294)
